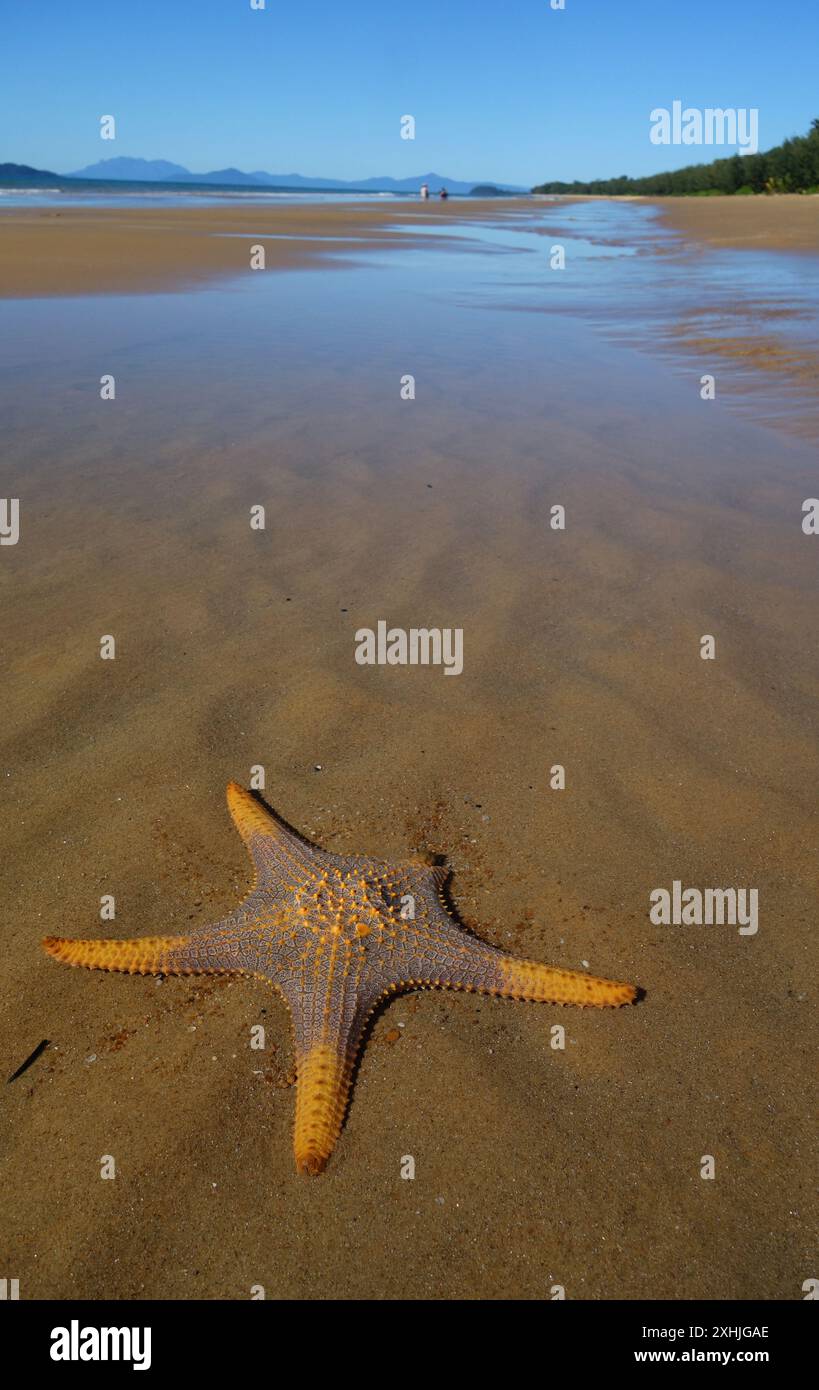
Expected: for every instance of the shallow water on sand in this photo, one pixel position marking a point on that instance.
(235, 648)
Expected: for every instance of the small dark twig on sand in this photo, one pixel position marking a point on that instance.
(32, 1057)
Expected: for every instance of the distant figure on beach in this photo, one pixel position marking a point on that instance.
(424, 190)
(443, 193)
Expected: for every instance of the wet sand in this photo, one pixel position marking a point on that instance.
(751, 320)
(534, 1167)
(781, 222)
(127, 251)
(110, 250)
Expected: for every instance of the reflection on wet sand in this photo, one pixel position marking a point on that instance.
(235, 647)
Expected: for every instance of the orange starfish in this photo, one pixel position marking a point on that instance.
(335, 934)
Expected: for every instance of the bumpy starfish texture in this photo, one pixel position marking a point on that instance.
(335, 934)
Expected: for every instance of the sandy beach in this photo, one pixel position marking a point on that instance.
(536, 1167)
(783, 222)
(80, 250)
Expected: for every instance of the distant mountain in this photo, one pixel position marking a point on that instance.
(161, 171)
(23, 176)
(144, 170)
(225, 176)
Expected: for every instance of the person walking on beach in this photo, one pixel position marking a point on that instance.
(424, 191)
(443, 193)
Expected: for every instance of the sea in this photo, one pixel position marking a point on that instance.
(122, 193)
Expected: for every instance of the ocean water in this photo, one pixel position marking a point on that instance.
(127, 195)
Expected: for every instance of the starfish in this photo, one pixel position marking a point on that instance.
(335, 935)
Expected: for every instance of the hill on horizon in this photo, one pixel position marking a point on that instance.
(163, 171)
(23, 175)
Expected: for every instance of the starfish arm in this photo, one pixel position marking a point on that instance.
(529, 979)
(146, 955)
(227, 947)
(323, 1079)
(329, 1016)
(448, 957)
(279, 854)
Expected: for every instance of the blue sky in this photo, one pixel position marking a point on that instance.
(501, 89)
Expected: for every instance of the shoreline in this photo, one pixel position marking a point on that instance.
(79, 251)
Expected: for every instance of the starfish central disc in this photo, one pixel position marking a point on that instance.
(346, 905)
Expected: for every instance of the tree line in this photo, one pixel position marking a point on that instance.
(792, 167)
